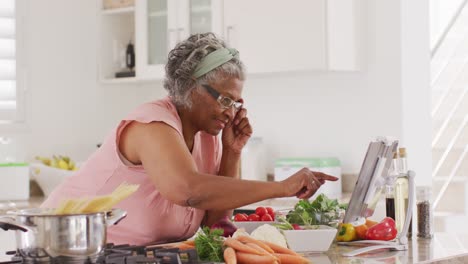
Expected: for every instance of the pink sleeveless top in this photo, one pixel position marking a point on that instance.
(151, 218)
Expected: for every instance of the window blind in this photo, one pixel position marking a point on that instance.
(8, 84)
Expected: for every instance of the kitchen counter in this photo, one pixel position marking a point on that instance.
(443, 248)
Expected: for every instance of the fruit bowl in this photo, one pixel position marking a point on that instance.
(48, 177)
(315, 240)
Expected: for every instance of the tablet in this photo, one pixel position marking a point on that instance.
(374, 170)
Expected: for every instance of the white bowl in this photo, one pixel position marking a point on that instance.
(48, 177)
(315, 240)
(250, 226)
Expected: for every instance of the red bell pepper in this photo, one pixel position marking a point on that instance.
(385, 230)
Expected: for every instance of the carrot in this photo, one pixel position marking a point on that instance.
(280, 249)
(184, 246)
(247, 239)
(257, 247)
(238, 246)
(291, 259)
(247, 258)
(264, 252)
(189, 242)
(230, 256)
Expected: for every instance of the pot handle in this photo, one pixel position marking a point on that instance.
(9, 223)
(114, 216)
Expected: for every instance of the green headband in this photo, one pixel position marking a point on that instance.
(213, 60)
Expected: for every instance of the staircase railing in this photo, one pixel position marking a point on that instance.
(450, 115)
(448, 27)
(451, 176)
(446, 91)
(450, 146)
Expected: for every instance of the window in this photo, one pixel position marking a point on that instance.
(10, 96)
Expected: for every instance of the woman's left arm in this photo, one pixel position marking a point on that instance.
(234, 138)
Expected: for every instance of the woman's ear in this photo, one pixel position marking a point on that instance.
(195, 94)
(195, 91)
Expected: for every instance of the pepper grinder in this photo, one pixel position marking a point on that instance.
(425, 216)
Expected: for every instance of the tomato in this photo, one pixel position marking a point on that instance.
(270, 210)
(254, 217)
(261, 211)
(296, 227)
(240, 218)
(246, 215)
(266, 217)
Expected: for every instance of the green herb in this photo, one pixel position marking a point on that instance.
(320, 211)
(283, 223)
(209, 245)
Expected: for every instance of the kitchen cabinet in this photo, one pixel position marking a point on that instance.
(161, 24)
(272, 36)
(156, 26)
(279, 36)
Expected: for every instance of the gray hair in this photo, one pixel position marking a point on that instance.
(183, 60)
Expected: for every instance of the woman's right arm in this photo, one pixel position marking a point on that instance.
(164, 155)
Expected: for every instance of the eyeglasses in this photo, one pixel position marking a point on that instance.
(224, 101)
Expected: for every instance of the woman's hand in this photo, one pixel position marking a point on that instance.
(304, 183)
(237, 132)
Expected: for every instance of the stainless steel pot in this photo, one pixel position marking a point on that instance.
(42, 234)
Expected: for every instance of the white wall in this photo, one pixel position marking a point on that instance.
(69, 111)
(415, 87)
(298, 114)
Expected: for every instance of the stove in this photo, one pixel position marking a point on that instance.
(117, 254)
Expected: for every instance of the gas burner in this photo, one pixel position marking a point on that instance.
(39, 256)
(120, 254)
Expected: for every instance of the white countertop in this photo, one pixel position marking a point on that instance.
(443, 248)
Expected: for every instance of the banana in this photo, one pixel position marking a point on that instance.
(62, 165)
(55, 161)
(58, 161)
(66, 159)
(45, 161)
(71, 165)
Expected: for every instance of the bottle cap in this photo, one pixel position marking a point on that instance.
(423, 192)
(402, 152)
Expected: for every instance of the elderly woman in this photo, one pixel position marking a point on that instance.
(187, 175)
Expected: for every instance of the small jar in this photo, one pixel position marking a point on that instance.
(424, 208)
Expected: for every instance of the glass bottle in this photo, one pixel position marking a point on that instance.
(404, 169)
(401, 201)
(425, 216)
(402, 163)
(401, 193)
(390, 188)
